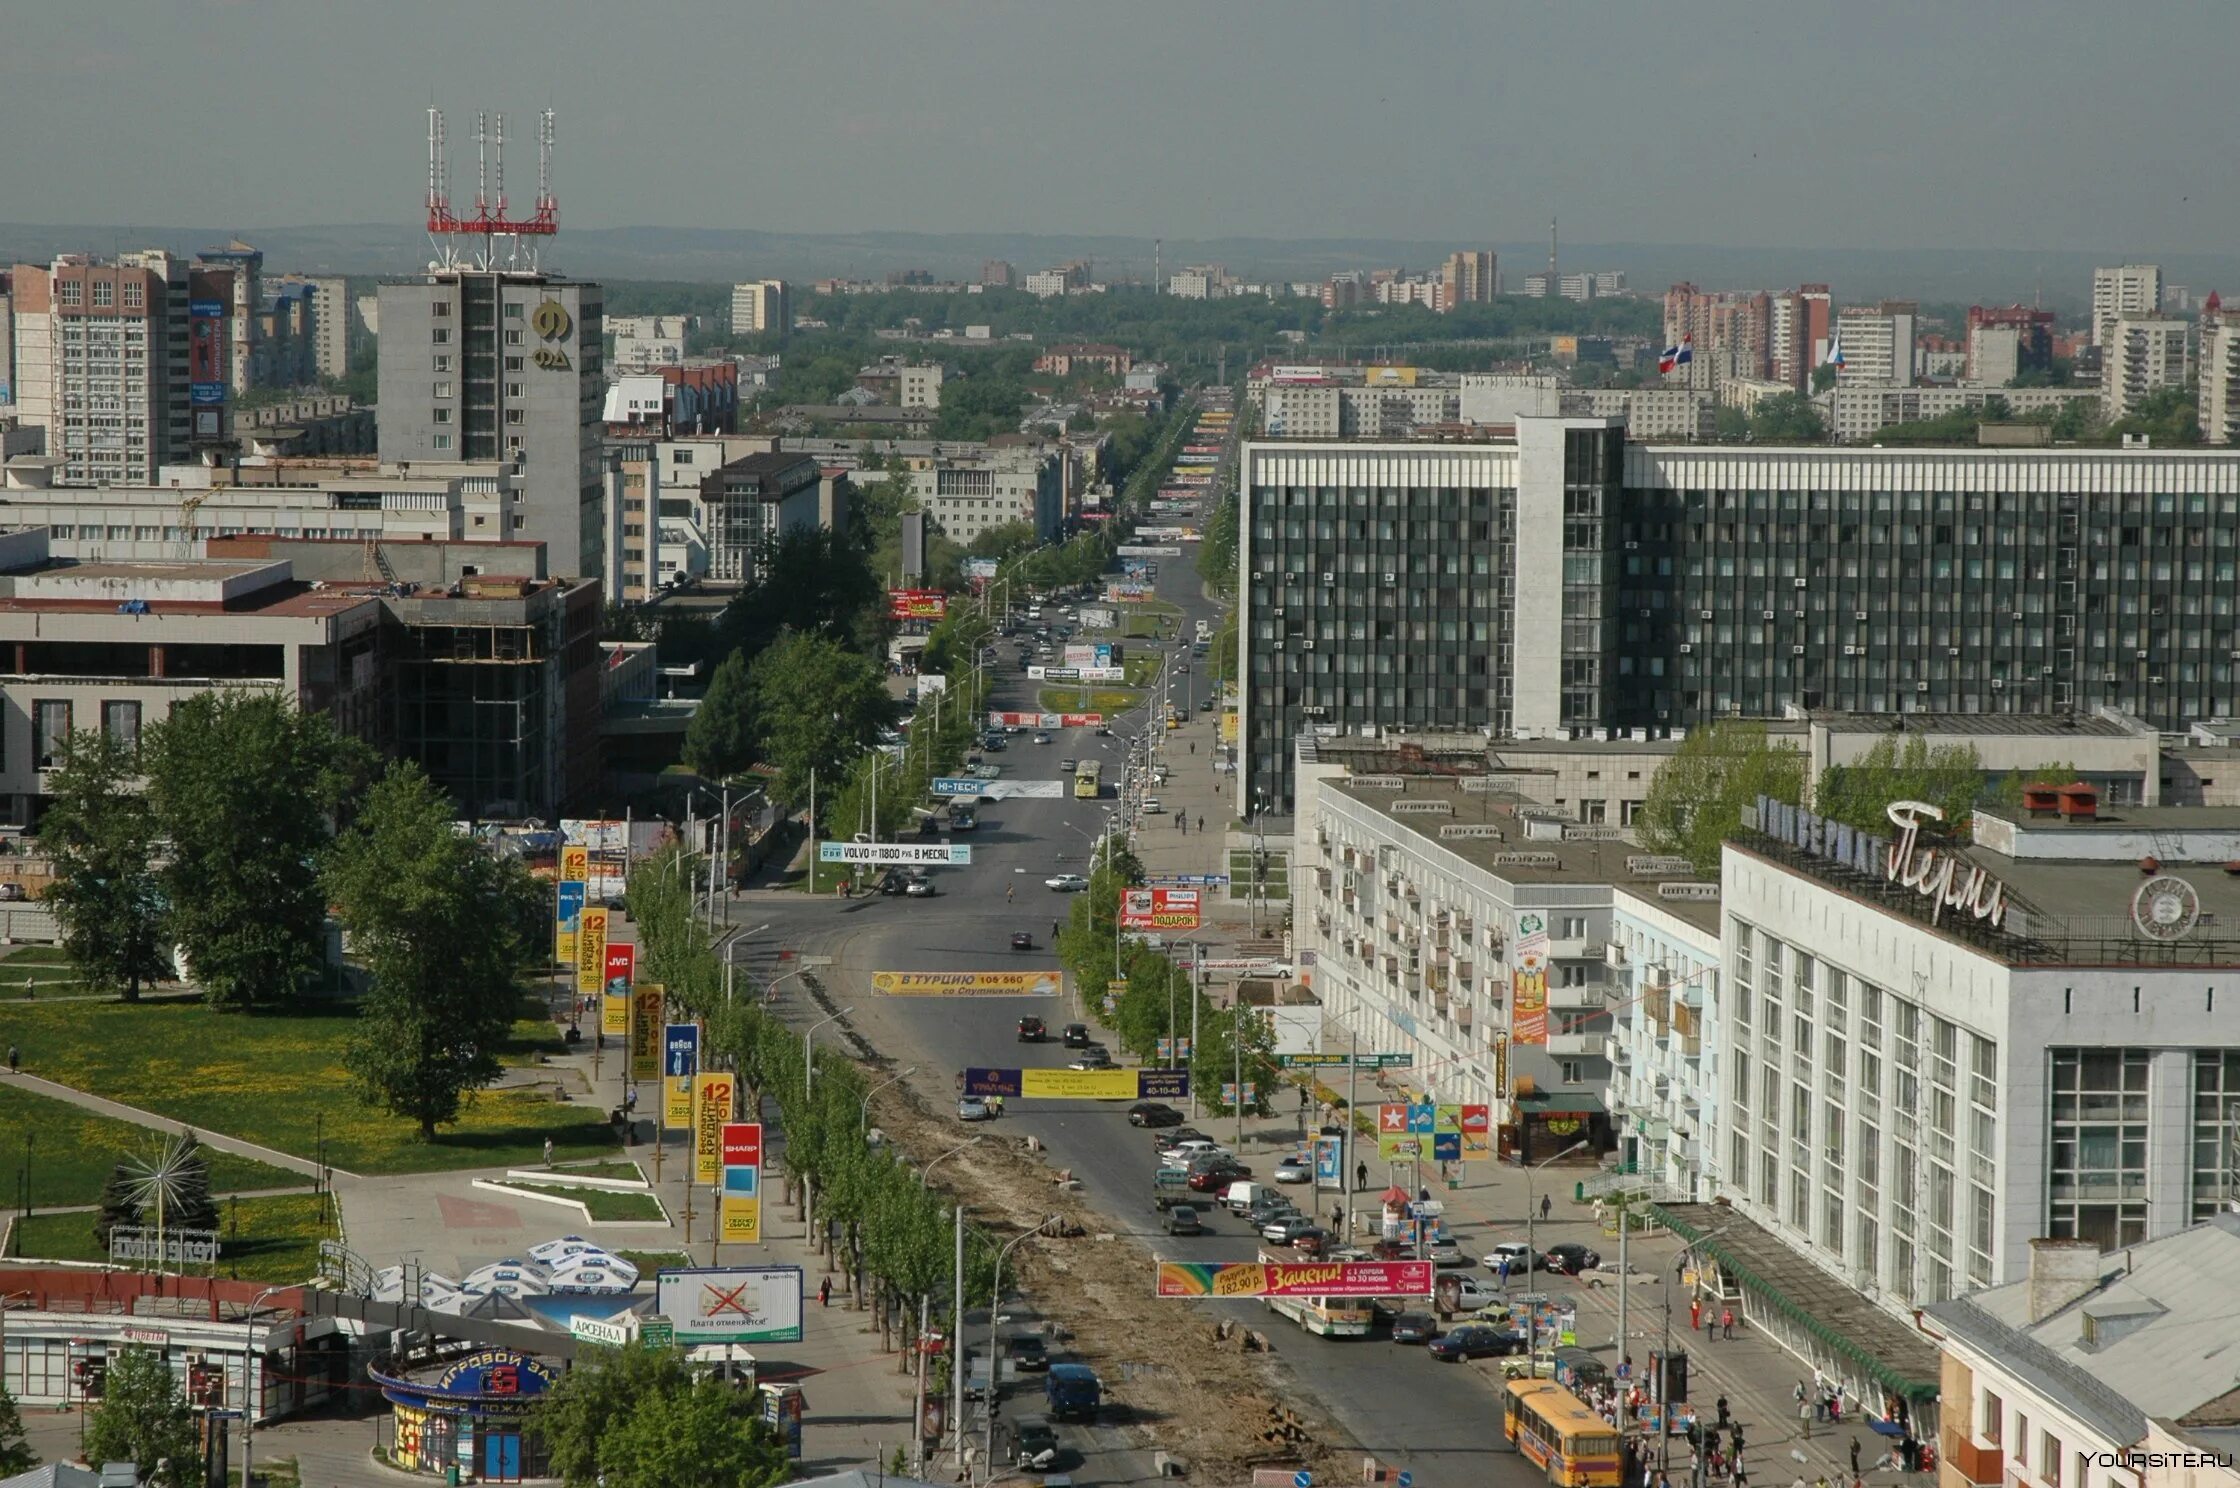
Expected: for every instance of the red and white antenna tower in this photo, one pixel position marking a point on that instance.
(489, 221)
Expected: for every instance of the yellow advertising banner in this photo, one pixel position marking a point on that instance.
(676, 1103)
(1403, 1147)
(742, 1220)
(575, 865)
(645, 1032)
(1060, 1084)
(965, 983)
(711, 1108)
(614, 1016)
(1229, 726)
(591, 953)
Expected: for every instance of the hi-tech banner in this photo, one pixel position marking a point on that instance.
(680, 1061)
(711, 1108)
(645, 1032)
(1160, 909)
(1220, 1279)
(966, 983)
(591, 953)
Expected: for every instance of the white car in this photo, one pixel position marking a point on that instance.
(1066, 883)
(1041, 737)
(1294, 1169)
(1150, 806)
(919, 888)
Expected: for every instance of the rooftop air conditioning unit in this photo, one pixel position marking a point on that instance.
(2142, 656)
(1851, 650)
(1796, 650)
(1765, 614)
(1858, 614)
(1920, 687)
(1952, 650)
(1703, 614)
(2018, 614)
(1997, 683)
(2154, 681)
(1685, 648)
(1800, 583)
(1329, 578)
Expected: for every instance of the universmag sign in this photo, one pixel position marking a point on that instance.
(1218, 1279)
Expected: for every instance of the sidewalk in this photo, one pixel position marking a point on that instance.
(1753, 1373)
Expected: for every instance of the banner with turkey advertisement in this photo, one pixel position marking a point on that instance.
(916, 604)
(1160, 909)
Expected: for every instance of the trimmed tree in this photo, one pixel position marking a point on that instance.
(143, 1420)
(101, 835)
(426, 910)
(245, 787)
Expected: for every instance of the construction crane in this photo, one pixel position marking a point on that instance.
(189, 509)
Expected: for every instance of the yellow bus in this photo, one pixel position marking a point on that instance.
(1556, 1432)
(1086, 782)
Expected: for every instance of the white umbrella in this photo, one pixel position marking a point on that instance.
(594, 1273)
(552, 1252)
(510, 1278)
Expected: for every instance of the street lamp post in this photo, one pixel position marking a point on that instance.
(865, 1124)
(1664, 1375)
(925, 1174)
(732, 942)
(1532, 1251)
(808, 1083)
(250, 1372)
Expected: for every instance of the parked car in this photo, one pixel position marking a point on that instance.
(1267, 1209)
(1414, 1327)
(1178, 1136)
(1022, 940)
(1179, 1148)
(1476, 1341)
(1284, 1231)
(1151, 806)
(1569, 1259)
(1518, 1255)
(1183, 1219)
(1218, 1177)
(1392, 1250)
(1297, 1168)
(1066, 883)
(1462, 1294)
(972, 1108)
(920, 888)
(1077, 1036)
(1033, 1030)
(1152, 1113)
(1313, 1242)
(1445, 1254)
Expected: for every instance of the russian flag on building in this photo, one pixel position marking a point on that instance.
(1678, 356)
(1835, 352)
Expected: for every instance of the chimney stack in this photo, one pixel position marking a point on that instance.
(2061, 1271)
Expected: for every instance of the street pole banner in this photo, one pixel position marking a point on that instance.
(742, 1144)
(591, 953)
(1328, 1161)
(1477, 1133)
(575, 864)
(680, 1049)
(711, 1108)
(645, 1032)
(621, 963)
(1221, 1279)
(567, 917)
(741, 1219)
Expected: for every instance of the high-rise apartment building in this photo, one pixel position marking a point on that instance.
(761, 307)
(1798, 324)
(997, 273)
(1877, 342)
(325, 300)
(2129, 289)
(1467, 277)
(1564, 581)
(2141, 354)
(485, 365)
(2219, 400)
(1729, 332)
(2005, 343)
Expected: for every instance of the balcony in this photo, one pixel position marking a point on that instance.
(1614, 956)
(1589, 1045)
(1577, 999)
(1618, 1052)
(1974, 1464)
(1462, 1015)
(1577, 950)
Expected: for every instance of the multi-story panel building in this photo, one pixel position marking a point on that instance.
(2219, 396)
(1565, 581)
(2129, 289)
(1467, 277)
(645, 343)
(1047, 284)
(480, 365)
(749, 505)
(1877, 342)
(2142, 353)
(1927, 1073)
(1799, 322)
(761, 307)
(997, 273)
(102, 363)
(2004, 342)
(1856, 410)
(1664, 1028)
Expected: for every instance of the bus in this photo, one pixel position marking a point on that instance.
(1086, 783)
(1325, 1317)
(1553, 1429)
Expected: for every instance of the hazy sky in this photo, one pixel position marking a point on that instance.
(2052, 124)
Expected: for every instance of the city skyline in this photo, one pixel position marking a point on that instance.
(995, 123)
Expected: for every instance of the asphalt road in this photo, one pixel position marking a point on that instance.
(1440, 1420)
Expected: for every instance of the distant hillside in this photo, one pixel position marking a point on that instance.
(723, 254)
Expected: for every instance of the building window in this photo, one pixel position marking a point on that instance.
(121, 722)
(2097, 1161)
(441, 415)
(2049, 1459)
(443, 361)
(440, 307)
(104, 295)
(73, 294)
(513, 389)
(50, 731)
(513, 364)
(1572, 1071)
(439, 441)
(441, 335)
(2216, 1131)
(513, 310)
(441, 390)
(136, 298)
(513, 415)
(680, 457)
(1992, 1422)
(513, 336)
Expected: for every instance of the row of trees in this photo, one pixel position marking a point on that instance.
(231, 828)
(1700, 795)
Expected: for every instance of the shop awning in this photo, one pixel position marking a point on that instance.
(1885, 1349)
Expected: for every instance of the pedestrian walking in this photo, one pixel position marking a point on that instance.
(1546, 1204)
(1695, 1314)
(824, 1292)
(548, 1152)
(1804, 1419)
(1361, 1175)
(1854, 1456)
(15, 1058)
(1201, 821)
(1723, 1418)
(1501, 1277)
(1726, 1322)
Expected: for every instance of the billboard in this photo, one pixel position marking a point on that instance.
(645, 1032)
(1222, 1279)
(1065, 1084)
(680, 1061)
(1046, 720)
(1139, 550)
(980, 568)
(711, 1108)
(732, 1304)
(1096, 619)
(1077, 674)
(567, 916)
(1120, 591)
(1477, 1133)
(591, 953)
(575, 863)
(916, 604)
(1090, 654)
(742, 1144)
(614, 1006)
(1160, 909)
(935, 854)
(1528, 1001)
(956, 785)
(966, 983)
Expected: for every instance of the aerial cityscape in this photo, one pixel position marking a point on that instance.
(1261, 745)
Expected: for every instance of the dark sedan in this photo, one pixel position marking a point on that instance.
(1218, 1177)
(1153, 1113)
(1570, 1259)
(1414, 1327)
(1476, 1341)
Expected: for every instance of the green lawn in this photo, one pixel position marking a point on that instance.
(274, 1239)
(279, 1079)
(627, 1172)
(1240, 875)
(39, 969)
(650, 1261)
(1100, 700)
(602, 1203)
(72, 1150)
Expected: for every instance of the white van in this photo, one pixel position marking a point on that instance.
(1243, 1194)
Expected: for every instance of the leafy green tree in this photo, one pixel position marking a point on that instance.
(1949, 776)
(425, 909)
(707, 1432)
(721, 739)
(595, 1397)
(1787, 418)
(119, 1205)
(143, 1420)
(2166, 416)
(1733, 425)
(245, 788)
(1823, 378)
(101, 835)
(1698, 797)
(819, 582)
(820, 704)
(16, 1456)
(979, 407)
